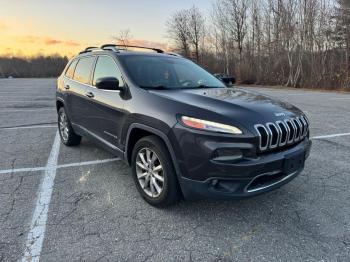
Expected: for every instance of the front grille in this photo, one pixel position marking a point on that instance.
(282, 133)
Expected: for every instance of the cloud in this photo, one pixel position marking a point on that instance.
(52, 41)
(46, 41)
(72, 43)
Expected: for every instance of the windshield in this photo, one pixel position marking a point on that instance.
(156, 72)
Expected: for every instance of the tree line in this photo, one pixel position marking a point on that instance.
(296, 43)
(40, 66)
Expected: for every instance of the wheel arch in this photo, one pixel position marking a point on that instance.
(59, 103)
(137, 131)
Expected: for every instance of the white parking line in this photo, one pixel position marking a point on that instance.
(95, 162)
(23, 101)
(87, 163)
(27, 110)
(28, 127)
(340, 98)
(35, 169)
(331, 136)
(18, 170)
(36, 234)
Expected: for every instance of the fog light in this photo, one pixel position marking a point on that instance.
(227, 155)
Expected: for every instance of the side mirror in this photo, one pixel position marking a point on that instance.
(230, 81)
(226, 79)
(108, 83)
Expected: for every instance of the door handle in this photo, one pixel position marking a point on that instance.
(90, 95)
(66, 87)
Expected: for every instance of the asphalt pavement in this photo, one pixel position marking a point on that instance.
(80, 204)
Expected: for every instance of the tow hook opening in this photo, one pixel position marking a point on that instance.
(225, 186)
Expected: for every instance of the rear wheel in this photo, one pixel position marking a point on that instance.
(153, 172)
(68, 137)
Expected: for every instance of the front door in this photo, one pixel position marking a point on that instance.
(106, 109)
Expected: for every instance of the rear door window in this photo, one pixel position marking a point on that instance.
(83, 70)
(71, 68)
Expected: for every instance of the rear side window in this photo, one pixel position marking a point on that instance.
(106, 67)
(71, 68)
(83, 70)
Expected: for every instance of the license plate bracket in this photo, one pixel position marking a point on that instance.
(294, 162)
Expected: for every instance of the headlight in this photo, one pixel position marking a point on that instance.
(209, 126)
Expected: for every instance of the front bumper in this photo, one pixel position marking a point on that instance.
(250, 176)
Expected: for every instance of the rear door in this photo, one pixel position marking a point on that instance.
(67, 82)
(106, 109)
(78, 90)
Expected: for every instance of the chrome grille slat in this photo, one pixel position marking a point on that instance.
(288, 130)
(272, 136)
(281, 133)
(304, 126)
(295, 138)
(298, 129)
(301, 128)
(290, 138)
(262, 148)
(307, 121)
(286, 133)
(307, 125)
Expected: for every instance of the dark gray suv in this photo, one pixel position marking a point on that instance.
(181, 130)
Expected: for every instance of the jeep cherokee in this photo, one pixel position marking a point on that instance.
(181, 130)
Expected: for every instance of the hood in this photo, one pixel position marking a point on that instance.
(234, 102)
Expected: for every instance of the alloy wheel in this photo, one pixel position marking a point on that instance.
(63, 126)
(149, 171)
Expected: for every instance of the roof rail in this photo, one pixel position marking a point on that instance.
(174, 54)
(111, 47)
(88, 49)
(116, 48)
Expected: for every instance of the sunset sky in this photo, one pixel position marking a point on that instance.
(66, 26)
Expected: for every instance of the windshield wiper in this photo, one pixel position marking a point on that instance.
(160, 87)
(205, 86)
(201, 86)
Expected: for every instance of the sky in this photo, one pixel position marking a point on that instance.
(31, 27)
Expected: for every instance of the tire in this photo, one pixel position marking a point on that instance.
(149, 172)
(68, 137)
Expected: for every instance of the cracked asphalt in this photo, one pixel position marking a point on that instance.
(96, 214)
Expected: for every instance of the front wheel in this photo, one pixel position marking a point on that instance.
(67, 134)
(153, 172)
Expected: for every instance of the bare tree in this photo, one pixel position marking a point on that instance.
(256, 38)
(237, 12)
(124, 37)
(195, 32)
(220, 35)
(177, 29)
(276, 42)
(231, 18)
(342, 33)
